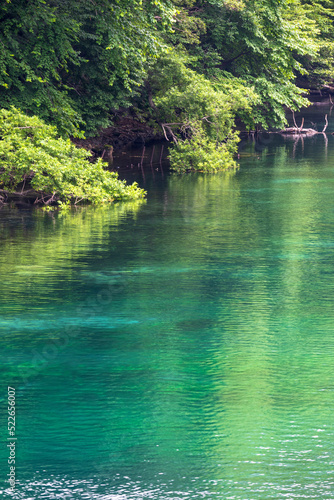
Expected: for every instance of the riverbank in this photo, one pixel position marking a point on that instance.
(128, 132)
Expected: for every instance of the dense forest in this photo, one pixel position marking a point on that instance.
(193, 71)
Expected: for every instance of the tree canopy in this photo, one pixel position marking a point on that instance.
(191, 68)
(73, 62)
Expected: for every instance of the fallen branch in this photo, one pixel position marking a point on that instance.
(299, 131)
(303, 131)
(328, 88)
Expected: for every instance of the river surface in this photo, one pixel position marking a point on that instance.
(179, 348)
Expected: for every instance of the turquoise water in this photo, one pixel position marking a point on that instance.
(182, 348)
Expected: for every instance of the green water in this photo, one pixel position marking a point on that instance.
(182, 348)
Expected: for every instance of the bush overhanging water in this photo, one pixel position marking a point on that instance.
(36, 163)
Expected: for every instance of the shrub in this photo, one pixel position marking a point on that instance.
(202, 154)
(35, 161)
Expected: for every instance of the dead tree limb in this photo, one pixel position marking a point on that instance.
(303, 131)
(301, 127)
(294, 119)
(168, 127)
(326, 124)
(35, 126)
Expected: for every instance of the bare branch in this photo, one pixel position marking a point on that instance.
(326, 124)
(164, 130)
(206, 119)
(167, 127)
(36, 126)
(301, 127)
(172, 124)
(294, 119)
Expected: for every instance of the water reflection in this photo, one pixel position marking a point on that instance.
(201, 366)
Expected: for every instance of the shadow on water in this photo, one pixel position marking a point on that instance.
(135, 163)
(149, 165)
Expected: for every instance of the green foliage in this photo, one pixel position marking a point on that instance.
(203, 154)
(273, 99)
(34, 157)
(118, 42)
(191, 67)
(197, 114)
(262, 42)
(231, 60)
(73, 62)
(37, 43)
(320, 70)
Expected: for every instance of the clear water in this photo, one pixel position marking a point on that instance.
(179, 348)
